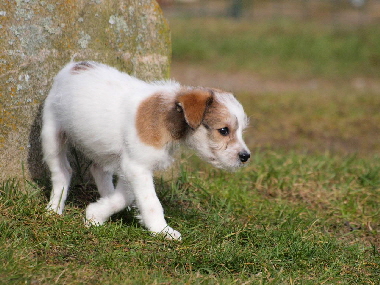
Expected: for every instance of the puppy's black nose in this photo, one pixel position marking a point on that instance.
(244, 156)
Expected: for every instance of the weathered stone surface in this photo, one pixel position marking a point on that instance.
(37, 38)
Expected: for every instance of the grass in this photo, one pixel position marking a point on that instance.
(282, 49)
(304, 211)
(286, 218)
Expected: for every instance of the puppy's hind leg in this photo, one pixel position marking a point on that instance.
(97, 213)
(124, 187)
(54, 147)
(103, 180)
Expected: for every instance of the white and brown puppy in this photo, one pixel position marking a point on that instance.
(129, 127)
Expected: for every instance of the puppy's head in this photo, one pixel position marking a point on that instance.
(216, 120)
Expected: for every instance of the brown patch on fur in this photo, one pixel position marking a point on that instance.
(175, 123)
(150, 120)
(194, 104)
(81, 66)
(159, 122)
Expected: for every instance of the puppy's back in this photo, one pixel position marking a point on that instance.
(95, 106)
(91, 102)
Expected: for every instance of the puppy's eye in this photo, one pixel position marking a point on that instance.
(224, 131)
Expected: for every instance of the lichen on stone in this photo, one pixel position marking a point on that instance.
(40, 37)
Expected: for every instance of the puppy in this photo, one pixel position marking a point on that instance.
(130, 128)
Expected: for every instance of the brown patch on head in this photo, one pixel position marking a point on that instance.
(159, 121)
(194, 104)
(82, 66)
(217, 117)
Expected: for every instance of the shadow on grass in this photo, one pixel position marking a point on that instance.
(170, 193)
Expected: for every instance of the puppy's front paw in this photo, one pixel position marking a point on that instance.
(90, 223)
(93, 217)
(169, 233)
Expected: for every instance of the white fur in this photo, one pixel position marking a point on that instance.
(95, 109)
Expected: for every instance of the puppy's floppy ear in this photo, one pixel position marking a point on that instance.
(193, 104)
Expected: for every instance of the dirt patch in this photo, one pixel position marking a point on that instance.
(248, 82)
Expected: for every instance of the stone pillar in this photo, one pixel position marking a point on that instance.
(37, 38)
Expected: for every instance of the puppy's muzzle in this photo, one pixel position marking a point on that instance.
(244, 156)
